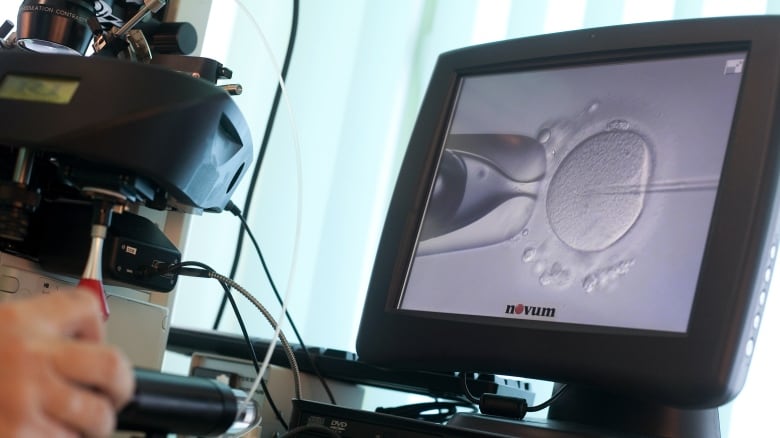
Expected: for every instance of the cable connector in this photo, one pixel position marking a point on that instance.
(195, 272)
(155, 269)
(173, 268)
(506, 406)
(233, 208)
(503, 406)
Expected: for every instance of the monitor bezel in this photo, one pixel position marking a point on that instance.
(702, 368)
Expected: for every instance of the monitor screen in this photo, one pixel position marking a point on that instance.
(579, 194)
(594, 207)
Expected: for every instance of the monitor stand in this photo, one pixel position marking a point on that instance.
(589, 413)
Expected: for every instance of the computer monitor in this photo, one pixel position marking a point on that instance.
(595, 207)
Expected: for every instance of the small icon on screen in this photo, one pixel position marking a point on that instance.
(733, 66)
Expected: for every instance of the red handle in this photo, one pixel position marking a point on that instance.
(96, 287)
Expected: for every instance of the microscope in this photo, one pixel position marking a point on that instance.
(107, 128)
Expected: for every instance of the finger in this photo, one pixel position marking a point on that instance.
(37, 425)
(74, 407)
(51, 429)
(71, 313)
(98, 366)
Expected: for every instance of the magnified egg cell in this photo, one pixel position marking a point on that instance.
(598, 191)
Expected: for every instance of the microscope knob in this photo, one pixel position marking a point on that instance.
(174, 38)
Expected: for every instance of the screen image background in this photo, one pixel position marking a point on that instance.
(606, 223)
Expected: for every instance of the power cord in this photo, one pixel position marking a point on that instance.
(231, 207)
(505, 406)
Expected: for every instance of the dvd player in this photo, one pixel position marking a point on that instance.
(354, 423)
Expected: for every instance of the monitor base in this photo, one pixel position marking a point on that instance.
(584, 412)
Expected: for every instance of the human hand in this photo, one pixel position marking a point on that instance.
(57, 377)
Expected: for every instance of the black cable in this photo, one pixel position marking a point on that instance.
(465, 387)
(310, 428)
(229, 296)
(231, 207)
(550, 400)
(261, 153)
(419, 411)
(512, 407)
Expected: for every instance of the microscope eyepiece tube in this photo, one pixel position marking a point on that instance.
(167, 403)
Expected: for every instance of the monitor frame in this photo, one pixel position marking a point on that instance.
(706, 366)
